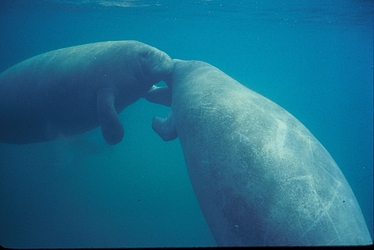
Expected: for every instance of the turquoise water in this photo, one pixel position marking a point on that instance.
(314, 58)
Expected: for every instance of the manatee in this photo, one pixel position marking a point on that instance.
(260, 177)
(72, 90)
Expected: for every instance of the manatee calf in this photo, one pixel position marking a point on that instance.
(72, 90)
(260, 177)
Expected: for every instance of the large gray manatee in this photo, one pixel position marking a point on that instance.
(260, 177)
(72, 90)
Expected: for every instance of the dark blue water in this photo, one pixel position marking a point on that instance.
(314, 58)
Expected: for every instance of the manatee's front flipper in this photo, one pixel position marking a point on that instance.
(160, 95)
(111, 127)
(165, 127)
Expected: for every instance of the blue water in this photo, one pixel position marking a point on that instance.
(314, 58)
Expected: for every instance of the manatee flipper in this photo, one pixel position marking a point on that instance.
(111, 127)
(159, 95)
(165, 127)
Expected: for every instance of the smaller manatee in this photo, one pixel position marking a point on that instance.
(72, 90)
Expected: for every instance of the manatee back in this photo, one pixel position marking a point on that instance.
(261, 178)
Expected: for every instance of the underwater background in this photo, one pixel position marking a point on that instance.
(314, 58)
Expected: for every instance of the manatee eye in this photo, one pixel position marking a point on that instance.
(145, 54)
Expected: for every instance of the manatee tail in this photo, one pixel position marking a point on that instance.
(165, 127)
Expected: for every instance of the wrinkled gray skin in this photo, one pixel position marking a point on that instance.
(72, 90)
(260, 177)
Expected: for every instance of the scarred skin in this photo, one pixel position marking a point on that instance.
(260, 177)
(72, 90)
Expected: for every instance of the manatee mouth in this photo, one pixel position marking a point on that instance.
(151, 69)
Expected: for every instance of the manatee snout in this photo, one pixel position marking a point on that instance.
(156, 64)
